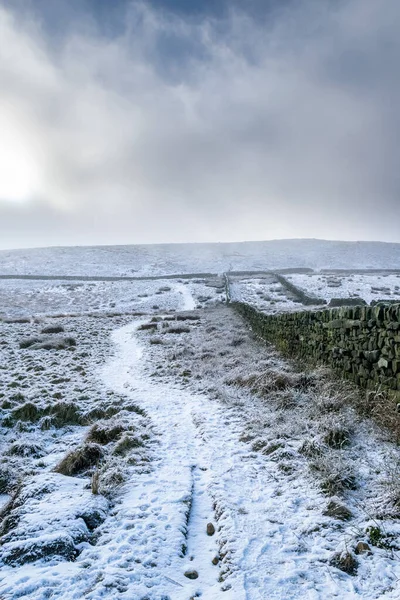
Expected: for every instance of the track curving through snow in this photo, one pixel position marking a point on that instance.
(271, 538)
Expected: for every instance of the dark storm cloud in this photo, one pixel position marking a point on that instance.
(280, 120)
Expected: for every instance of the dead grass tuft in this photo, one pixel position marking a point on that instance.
(335, 474)
(337, 436)
(176, 330)
(65, 413)
(337, 510)
(100, 412)
(80, 460)
(345, 561)
(53, 329)
(104, 432)
(95, 482)
(27, 412)
(111, 476)
(381, 406)
(147, 327)
(25, 449)
(126, 443)
(311, 448)
(269, 381)
(8, 479)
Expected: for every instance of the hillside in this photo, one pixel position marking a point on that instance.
(143, 260)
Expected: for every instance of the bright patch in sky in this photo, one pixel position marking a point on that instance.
(18, 171)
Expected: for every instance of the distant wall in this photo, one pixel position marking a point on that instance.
(299, 293)
(361, 342)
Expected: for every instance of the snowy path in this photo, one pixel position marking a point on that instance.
(263, 518)
(187, 297)
(176, 489)
(272, 538)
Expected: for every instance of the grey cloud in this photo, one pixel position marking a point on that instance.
(205, 129)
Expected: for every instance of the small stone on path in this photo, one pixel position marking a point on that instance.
(191, 574)
(210, 529)
(362, 548)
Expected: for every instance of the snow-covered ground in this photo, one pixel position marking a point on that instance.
(22, 298)
(264, 292)
(151, 448)
(199, 258)
(368, 287)
(226, 433)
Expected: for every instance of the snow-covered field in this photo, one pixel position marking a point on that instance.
(368, 287)
(264, 292)
(22, 298)
(152, 449)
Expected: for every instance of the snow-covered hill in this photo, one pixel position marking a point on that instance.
(167, 259)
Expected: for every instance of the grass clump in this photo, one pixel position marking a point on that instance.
(28, 342)
(271, 380)
(53, 329)
(381, 407)
(126, 443)
(272, 447)
(135, 409)
(337, 436)
(18, 397)
(176, 330)
(80, 460)
(7, 479)
(336, 475)
(345, 561)
(100, 412)
(310, 448)
(147, 327)
(337, 510)
(187, 317)
(53, 343)
(27, 412)
(109, 478)
(25, 449)
(104, 432)
(65, 413)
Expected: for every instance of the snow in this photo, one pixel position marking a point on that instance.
(21, 298)
(366, 286)
(265, 293)
(271, 536)
(42, 523)
(156, 260)
(4, 498)
(213, 449)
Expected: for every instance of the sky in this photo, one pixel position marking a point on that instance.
(159, 121)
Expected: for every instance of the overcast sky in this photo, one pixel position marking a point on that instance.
(198, 120)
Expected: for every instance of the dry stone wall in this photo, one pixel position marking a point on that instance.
(361, 342)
